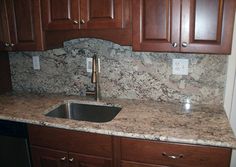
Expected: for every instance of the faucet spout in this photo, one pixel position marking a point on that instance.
(95, 79)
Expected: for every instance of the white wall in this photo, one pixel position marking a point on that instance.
(230, 91)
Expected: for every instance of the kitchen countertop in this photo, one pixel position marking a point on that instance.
(162, 121)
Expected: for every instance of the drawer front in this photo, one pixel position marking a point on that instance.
(72, 141)
(170, 154)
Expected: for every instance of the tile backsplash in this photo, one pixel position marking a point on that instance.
(124, 74)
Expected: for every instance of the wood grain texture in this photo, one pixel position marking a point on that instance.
(44, 157)
(24, 25)
(122, 36)
(5, 74)
(71, 141)
(156, 25)
(60, 14)
(207, 26)
(151, 152)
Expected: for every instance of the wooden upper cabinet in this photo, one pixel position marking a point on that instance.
(20, 25)
(84, 14)
(207, 26)
(99, 14)
(156, 25)
(60, 14)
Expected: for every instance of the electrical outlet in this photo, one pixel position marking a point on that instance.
(89, 64)
(180, 66)
(36, 63)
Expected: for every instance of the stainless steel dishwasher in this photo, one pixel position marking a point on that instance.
(14, 149)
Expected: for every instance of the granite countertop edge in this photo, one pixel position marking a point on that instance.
(42, 105)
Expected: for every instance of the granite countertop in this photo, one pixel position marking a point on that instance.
(162, 121)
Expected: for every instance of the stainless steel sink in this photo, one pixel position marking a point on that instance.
(85, 112)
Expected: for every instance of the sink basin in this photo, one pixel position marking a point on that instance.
(85, 112)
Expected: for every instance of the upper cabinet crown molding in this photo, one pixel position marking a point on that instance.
(194, 26)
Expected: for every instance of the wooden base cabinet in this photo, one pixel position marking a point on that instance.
(44, 157)
(143, 153)
(52, 147)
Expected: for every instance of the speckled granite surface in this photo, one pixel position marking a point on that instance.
(124, 74)
(200, 124)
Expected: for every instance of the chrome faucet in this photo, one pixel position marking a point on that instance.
(95, 79)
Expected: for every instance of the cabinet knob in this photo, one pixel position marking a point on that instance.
(71, 159)
(172, 156)
(174, 44)
(75, 22)
(63, 158)
(7, 44)
(12, 44)
(184, 44)
(82, 21)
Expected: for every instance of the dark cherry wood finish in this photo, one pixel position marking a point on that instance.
(116, 28)
(206, 26)
(24, 24)
(43, 157)
(92, 150)
(5, 74)
(156, 25)
(150, 152)
(4, 27)
(101, 14)
(60, 14)
(71, 141)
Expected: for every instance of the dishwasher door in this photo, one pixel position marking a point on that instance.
(14, 149)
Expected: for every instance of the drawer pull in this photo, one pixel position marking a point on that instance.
(71, 159)
(173, 156)
(63, 158)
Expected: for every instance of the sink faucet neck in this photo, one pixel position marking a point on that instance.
(95, 79)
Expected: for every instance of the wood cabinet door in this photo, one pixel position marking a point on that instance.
(156, 25)
(100, 14)
(23, 17)
(43, 157)
(207, 26)
(134, 164)
(4, 29)
(81, 160)
(60, 14)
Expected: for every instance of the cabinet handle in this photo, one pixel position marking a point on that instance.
(184, 44)
(82, 21)
(75, 22)
(7, 44)
(71, 159)
(63, 158)
(173, 156)
(174, 44)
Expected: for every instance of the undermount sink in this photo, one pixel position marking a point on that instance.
(85, 112)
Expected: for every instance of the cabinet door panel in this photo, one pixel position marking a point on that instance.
(60, 14)
(24, 24)
(156, 25)
(207, 25)
(4, 29)
(43, 157)
(101, 14)
(134, 164)
(81, 160)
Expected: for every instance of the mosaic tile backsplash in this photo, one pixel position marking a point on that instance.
(124, 73)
